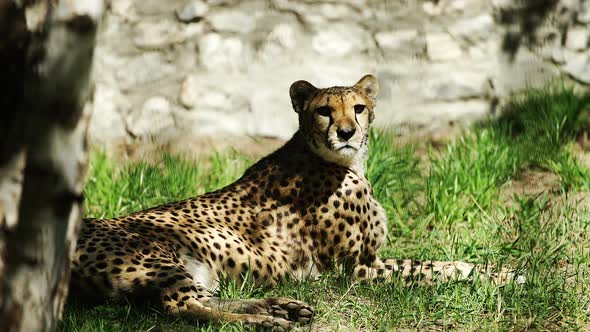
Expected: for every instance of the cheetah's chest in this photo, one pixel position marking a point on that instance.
(342, 224)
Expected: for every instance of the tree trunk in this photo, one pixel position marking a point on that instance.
(43, 154)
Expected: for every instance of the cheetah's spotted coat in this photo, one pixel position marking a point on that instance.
(295, 213)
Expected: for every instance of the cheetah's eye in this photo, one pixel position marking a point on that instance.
(358, 109)
(324, 110)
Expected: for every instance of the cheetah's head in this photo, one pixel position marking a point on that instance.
(335, 121)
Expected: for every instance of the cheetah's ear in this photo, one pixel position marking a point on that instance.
(369, 85)
(300, 92)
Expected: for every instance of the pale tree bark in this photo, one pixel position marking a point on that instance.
(46, 49)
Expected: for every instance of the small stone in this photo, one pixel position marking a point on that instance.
(455, 84)
(146, 68)
(188, 89)
(479, 27)
(319, 13)
(154, 119)
(124, 9)
(192, 30)
(578, 67)
(282, 38)
(106, 123)
(284, 35)
(198, 94)
(340, 40)
(441, 47)
(152, 7)
(458, 5)
(158, 34)
(431, 8)
(193, 11)
(336, 11)
(218, 99)
(214, 123)
(216, 51)
(577, 38)
(331, 43)
(232, 21)
(395, 39)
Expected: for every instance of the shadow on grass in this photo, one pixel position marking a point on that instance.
(537, 123)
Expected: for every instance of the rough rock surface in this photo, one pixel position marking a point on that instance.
(166, 70)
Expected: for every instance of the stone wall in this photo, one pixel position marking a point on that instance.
(180, 68)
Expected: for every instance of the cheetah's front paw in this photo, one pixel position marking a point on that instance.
(278, 324)
(293, 310)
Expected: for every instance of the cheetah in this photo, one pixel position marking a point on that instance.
(296, 213)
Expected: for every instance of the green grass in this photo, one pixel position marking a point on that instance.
(458, 202)
(111, 191)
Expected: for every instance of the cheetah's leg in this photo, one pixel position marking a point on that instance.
(427, 272)
(188, 300)
(151, 265)
(286, 308)
(185, 296)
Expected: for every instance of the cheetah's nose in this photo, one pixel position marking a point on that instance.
(345, 133)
